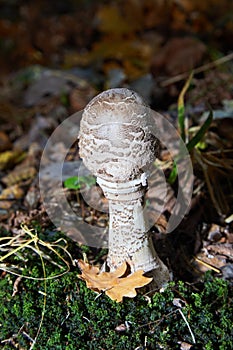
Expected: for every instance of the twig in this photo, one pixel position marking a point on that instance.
(185, 320)
(197, 70)
(207, 265)
(16, 285)
(159, 320)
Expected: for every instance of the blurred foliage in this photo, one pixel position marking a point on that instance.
(128, 32)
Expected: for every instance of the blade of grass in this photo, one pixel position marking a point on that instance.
(181, 124)
(17, 249)
(201, 132)
(15, 246)
(181, 108)
(44, 300)
(173, 174)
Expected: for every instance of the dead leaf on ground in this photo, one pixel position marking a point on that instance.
(115, 284)
(185, 346)
(5, 143)
(18, 175)
(9, 158)
(12, 192)
(178, 55)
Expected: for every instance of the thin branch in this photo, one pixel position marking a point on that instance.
(185, 320)
(197, 70)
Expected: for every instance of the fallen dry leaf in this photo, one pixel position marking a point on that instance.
(125, 287)
(178, 55)
(112, 283)
(5, 143)
(9, 158)
(19, 174)
(12, 192)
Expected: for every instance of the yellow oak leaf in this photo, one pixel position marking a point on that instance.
(97, 280)
(126, 286)
(116, 284)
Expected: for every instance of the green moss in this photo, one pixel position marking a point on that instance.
(76, 318)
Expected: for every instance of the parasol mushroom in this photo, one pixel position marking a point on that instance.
(118, 144)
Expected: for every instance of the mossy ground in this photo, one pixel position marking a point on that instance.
(76, 318)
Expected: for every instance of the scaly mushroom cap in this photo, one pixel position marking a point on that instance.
(117, 136)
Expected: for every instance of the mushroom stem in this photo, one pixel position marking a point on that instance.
(129, 238)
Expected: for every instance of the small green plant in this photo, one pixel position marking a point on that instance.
(76, 182)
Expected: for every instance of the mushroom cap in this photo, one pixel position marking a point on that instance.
(117, 136)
